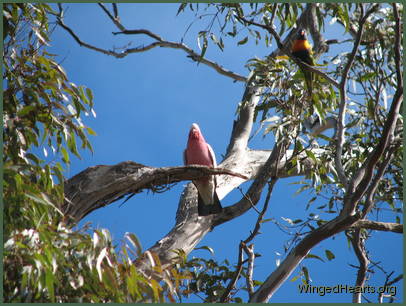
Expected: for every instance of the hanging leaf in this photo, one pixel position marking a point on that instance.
(330, 255)
(314, 256)
(243, 41)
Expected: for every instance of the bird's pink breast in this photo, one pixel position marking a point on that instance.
(197, 153)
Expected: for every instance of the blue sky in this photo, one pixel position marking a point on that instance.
(145, 104)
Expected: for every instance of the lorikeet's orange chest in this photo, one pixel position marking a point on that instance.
(301, 45)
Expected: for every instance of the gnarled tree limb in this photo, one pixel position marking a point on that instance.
(101, 185)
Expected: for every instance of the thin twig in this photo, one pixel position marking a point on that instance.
(226, 295)
(257, 227)
(115, 9)
(387, 284)
(395, 280)
(140, 31)
(370, 193)
(84, 44)
(274, 9)
(114, 19)
(249, 250)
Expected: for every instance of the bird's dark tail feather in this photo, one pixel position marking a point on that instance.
(208, 209)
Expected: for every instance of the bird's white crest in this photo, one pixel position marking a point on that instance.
(195, 126)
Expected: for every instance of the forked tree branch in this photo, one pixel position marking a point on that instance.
(387, 284)
(115, 19)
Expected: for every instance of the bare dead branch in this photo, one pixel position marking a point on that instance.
(358, 244)
(114, 19)
(395, 280)
(158, 43)
(86, 45)
(388, 283)
(140, 32)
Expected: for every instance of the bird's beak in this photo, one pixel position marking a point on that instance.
(194, 130)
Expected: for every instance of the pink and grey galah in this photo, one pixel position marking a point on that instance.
(199, 152)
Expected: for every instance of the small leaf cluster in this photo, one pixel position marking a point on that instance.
(57, 264)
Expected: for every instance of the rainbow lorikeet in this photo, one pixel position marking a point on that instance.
(302, 49)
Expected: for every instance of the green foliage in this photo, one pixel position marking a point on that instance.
(56, 264)
(330, 255)
(208, 278)
(303, 275)
(42, 112)
(44, 261)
